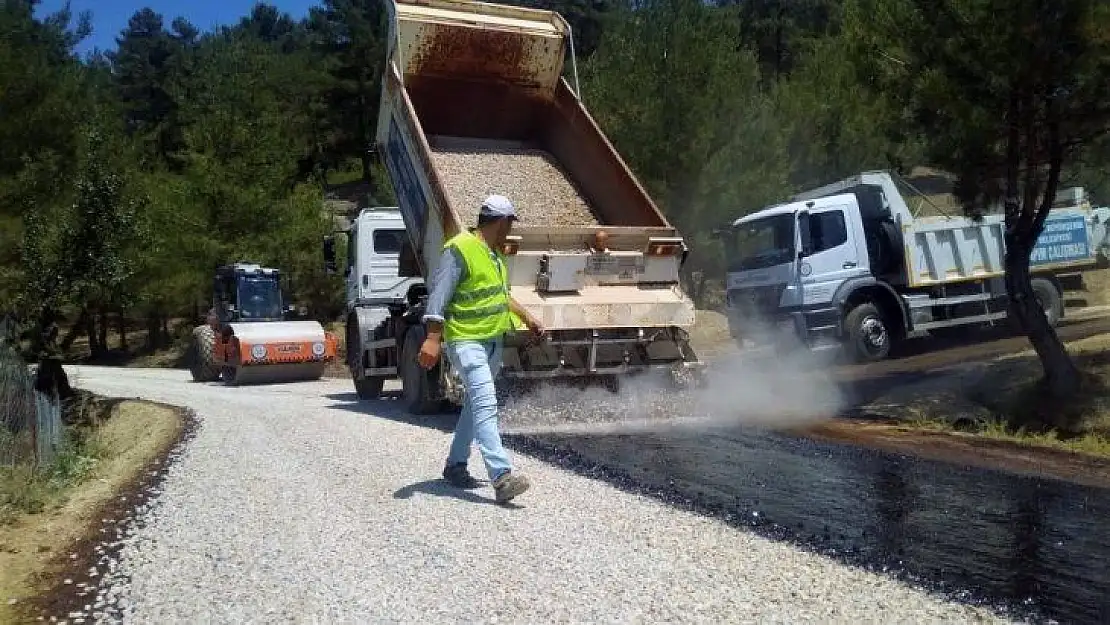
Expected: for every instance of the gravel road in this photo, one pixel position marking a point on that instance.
(297, 503)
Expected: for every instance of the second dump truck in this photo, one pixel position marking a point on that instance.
(474, 102)
(853, 265)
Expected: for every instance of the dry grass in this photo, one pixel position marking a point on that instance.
(32, 544)
(710, 334)
(1005, 400)
(1098, 287)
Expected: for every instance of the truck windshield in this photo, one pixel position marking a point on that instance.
(761, 243)
(259, 297)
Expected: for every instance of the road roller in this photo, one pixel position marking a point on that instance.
(248, 336)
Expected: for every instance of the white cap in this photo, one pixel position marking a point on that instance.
(498, 206)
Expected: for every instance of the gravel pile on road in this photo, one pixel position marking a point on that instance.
(737, 391)
(537, 185)
(296, 502)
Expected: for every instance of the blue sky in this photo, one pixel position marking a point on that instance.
(109, 17)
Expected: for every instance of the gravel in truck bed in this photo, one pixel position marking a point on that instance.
(532, 179)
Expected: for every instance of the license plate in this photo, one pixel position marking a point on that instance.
(623, 266)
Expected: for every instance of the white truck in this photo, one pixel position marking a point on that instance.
(470, 89)
(849, 265)
(377, 296)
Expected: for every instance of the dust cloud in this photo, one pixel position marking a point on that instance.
(749, 388)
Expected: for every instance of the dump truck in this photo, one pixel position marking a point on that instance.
(379, 299)
(850, 265)
(474, 102)
(247, 337)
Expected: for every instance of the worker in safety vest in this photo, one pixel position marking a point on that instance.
(470, 309)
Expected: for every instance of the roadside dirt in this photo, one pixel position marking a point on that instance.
(39, 552)
(964, 449)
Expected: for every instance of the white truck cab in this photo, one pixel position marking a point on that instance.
(786, 264)
(379, 292)
(850, 265)
(374, 244)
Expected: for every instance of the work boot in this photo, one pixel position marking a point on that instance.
(459, 477)
(507, 486)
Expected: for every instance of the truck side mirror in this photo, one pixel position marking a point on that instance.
(805, 237)
(330, 266)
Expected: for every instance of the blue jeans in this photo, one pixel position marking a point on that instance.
(478, 362)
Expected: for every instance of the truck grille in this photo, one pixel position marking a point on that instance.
(756, 302)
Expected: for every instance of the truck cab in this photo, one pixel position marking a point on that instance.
(381, 289)
(786, 265)
(855, 264)
(374, 244)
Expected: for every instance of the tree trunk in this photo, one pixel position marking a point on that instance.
(102, 332)
(51, 378)
(151, 331)
(1061, 374)
(90, 332)
(121, 319)
(71, 336)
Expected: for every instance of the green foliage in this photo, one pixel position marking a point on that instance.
(1000, 88)
(835, 128)
(102, 229)
(1005, 93)
(127, 177)
(40, 109)
(684, 107)
(26, 490)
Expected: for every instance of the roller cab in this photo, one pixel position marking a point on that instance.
(248, 338)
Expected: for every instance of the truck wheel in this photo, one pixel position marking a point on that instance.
(369, 388)
(417, 385)
(350, 343)
(869, 335)
(1049, 297)
(202, 365)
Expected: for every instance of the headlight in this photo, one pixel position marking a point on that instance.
(258, 352)
(318, 348)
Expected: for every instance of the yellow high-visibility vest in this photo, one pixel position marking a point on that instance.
(479, 309)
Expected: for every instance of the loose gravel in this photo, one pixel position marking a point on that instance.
(296, 502)
(539, 188)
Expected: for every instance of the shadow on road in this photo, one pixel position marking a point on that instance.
(389, 407)
(440, 488)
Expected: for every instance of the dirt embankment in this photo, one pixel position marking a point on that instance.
(45, 556)
(993, 414)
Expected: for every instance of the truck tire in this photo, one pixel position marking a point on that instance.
(350, 344)
(369, 388)
(418, 387)
(202, 365)
(869, 334)
(1052, 302)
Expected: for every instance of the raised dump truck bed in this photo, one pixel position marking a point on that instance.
(541, 189)
(474, 103)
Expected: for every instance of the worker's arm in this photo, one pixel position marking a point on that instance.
(446, 277)
(533, 324)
